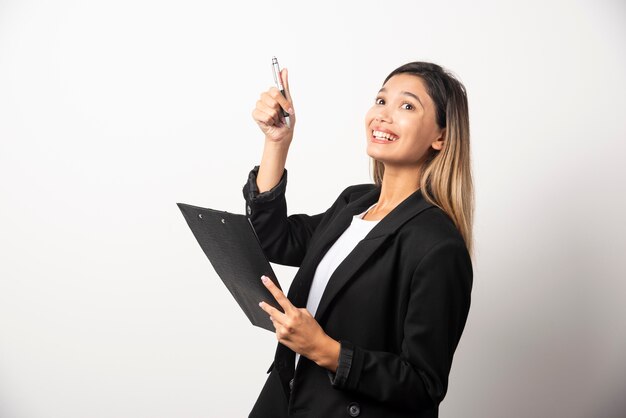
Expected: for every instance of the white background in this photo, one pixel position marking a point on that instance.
(113, 111)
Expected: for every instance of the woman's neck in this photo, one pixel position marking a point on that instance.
(398, 184)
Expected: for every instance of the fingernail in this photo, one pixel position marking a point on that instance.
(290, 110)
(261, 304)
(264, 279)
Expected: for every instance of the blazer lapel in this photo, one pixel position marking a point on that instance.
(407, 209)
(299, 290)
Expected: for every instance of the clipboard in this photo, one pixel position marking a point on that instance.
(233, 248)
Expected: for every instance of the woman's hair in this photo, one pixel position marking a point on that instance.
(446, 177)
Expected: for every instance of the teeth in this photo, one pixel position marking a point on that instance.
(384, 135)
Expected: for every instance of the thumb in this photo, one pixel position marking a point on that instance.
(284, 77)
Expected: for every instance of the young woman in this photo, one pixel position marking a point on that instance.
(375, 312)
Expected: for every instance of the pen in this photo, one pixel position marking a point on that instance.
(279, 85)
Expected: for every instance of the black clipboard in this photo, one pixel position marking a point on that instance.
(232, 246)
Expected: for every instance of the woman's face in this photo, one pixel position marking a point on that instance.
(401, 125)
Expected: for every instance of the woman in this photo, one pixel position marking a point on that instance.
(380, 300)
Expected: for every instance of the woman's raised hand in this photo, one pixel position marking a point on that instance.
(268, 115)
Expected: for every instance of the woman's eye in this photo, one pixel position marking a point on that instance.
(407, 106)
(379, 101)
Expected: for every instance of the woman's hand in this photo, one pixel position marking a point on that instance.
(298, 330)
(268, 114)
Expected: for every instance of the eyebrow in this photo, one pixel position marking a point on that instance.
(406, 93)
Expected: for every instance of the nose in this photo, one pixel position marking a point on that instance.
(382, 115)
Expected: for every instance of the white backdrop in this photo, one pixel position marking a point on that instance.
(113, 111)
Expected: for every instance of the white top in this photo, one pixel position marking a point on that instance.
(344, 245)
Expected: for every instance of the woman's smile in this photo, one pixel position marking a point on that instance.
(383, 136)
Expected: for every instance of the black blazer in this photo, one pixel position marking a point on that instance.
(397, 304)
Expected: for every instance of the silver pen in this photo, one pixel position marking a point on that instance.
(279, 85)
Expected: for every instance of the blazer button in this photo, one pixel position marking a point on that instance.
(249, 210)
(354, 409)
(291, 385)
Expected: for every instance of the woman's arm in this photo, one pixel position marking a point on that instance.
(278, 135)
(437, 311)
(284, 239)
(272, 165)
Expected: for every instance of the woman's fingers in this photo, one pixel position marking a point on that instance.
(276, 316)
(278, 294)
(296, 327)
(275, 99)
(271, 112)
(268, 112)
(270, 104)
(262, 118)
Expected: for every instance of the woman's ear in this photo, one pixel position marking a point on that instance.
(441, 139)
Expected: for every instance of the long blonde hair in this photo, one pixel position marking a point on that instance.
(446, 176)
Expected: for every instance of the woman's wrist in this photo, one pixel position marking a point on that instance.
(328, 354)
(283, 144)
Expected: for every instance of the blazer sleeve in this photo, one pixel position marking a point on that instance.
(284, 239)
(438, 306)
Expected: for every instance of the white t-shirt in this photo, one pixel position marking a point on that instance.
(344, 245)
